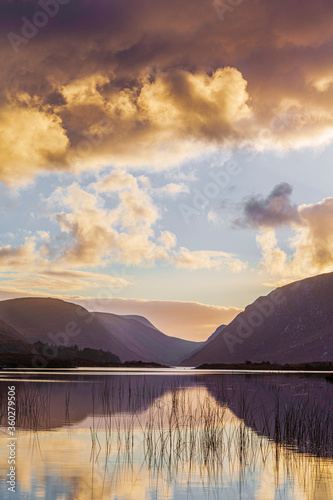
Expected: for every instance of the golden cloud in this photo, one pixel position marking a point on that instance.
(57, 282)
(208, 259)
(197, 105)
(32, 141)
(179, 82)
(157, 125)
(311, 246)
(98, 235)
(127, 233)
(95, 234)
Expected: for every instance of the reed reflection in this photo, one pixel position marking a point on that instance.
(152, 437)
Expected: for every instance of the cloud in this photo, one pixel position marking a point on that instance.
(149, 84)
(274, 211)
(98, 235)
(208, 259)
(311, 247)
(56, 282)
(126, 234)
(155, 124)
(19, 257)
(172, 190)
(31, 141)
(118, 180)
(30, 268)
(197, 105)
(113, 221)
(189, 320)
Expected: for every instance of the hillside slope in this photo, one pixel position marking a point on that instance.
(142, 319)
(55, 321)
(215, 334)
(144, 339)
(292, 324)
(11, 341)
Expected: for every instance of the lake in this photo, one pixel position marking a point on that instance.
(168, 435)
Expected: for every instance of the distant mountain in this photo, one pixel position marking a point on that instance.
(292, 324)
(54, 321)
(145, 340)
(216, 333)
(11, 341)
(142, 319)
(200, 345)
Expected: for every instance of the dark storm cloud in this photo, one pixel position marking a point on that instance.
(72, 63)
(274, 211)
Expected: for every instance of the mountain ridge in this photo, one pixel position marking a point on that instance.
(11, 340)
(59, 322)
(147, 341)
(292, 324)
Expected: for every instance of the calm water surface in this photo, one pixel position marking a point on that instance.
(169, 435)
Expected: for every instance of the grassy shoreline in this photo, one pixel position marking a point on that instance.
(30, 361)
(315, 366)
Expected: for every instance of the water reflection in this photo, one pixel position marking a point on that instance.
(173, 437)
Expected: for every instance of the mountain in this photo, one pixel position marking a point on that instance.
(11, 340)
(142, 319)
(54, 321)
(148, 342)
(216, 333)
(292, 324)
(200, 345)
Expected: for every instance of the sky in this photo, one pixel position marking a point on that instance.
(170, 159)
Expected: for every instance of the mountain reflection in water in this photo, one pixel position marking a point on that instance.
(143, 437)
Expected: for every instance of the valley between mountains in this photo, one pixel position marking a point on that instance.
(292, 324)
